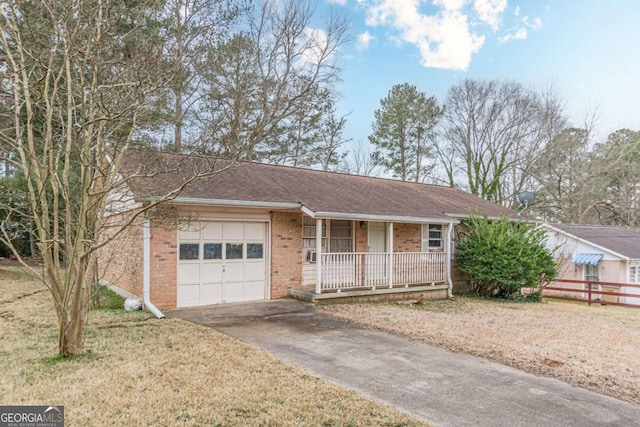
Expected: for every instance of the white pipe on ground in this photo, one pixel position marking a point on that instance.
(146, 271)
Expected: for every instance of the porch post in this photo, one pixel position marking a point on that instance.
(318, 256)
(390, 254)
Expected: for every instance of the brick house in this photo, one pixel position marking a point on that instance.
(257, 231)
(597, 253)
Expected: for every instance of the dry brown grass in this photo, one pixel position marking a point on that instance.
(595, 347)
(142, 371)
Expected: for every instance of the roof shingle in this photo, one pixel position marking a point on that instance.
(318, 191)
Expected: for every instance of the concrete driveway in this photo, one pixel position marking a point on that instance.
(426, 382)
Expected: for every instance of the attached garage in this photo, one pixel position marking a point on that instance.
(220, 262)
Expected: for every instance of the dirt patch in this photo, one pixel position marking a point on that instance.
(591, 347)
(138, 370)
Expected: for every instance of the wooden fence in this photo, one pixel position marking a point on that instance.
(596, 292)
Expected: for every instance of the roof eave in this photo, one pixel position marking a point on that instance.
(376, 218)
(586, 242)
(233, 203)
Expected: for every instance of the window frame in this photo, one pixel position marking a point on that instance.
(328, 241)
(426, 239)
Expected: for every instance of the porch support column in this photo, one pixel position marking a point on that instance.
(448, 255)
(318, 256)
(390, 254)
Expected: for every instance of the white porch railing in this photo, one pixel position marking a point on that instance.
(370, 269)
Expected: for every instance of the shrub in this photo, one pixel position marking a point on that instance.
(502, 256)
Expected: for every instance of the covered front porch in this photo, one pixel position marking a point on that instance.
(362, 257)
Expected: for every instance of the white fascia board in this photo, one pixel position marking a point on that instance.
(585, 241)
(235, 203)
(377, 218)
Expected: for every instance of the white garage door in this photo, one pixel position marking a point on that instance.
(221, 262)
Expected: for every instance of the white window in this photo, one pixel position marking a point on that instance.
(634, 274)
(432, 238)
(591, 272)
(338, 234)
(309, 233)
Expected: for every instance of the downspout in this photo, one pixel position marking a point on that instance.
(146, 270)
(448, 261)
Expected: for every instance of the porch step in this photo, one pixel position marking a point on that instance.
(370, 295)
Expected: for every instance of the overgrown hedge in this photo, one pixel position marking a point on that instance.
(500, 257)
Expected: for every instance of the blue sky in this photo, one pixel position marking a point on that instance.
(589, 50)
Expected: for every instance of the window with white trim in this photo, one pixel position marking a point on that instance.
(432, 238)
(634, 274)
(340, 236)
(337, 234)
(592, 272)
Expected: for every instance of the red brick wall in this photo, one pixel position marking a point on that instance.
(164, 264)
(286, 252)
(407, 237)
(362, 237)
(120, 261)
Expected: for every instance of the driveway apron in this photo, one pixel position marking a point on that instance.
(424, 381)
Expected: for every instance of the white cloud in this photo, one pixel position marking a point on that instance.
(340, 2)
(444, 39)
(535, 25)
(518, 34)
(363, 40)
(316, 42)
(490, 11)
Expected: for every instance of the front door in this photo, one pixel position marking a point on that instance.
(376, 264)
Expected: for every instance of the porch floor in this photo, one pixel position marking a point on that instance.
(398, 292)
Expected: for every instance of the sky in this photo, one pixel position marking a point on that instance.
(588, 50)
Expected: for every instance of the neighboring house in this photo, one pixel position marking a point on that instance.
(598, 253)
(259, 231)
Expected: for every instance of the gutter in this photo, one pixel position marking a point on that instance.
(234, 203)
(146, 272)
(379, 218)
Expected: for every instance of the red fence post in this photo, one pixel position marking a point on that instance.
(589, 293)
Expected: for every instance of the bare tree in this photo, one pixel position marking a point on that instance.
(359, 160)
(264, 76)
(491, 132)
(190, 29)
(79, 75)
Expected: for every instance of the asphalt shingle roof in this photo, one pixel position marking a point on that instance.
(621, 240)
(151, 174)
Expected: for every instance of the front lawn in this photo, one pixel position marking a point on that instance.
(138, 370)
(595, 347)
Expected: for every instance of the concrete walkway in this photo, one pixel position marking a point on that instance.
(426, 382)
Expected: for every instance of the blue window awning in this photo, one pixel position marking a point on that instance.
(592, 259)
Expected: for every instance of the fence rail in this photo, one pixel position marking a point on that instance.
(589, 292)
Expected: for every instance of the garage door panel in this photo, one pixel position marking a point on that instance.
(212, 231)
(234, 272)
(189, 274)
(210, 293)
(254, 271)
(254, 290)
(234, 230)
(189, 231)
(233, 292)
(254, 231)
(188, 295)
(211, 273)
